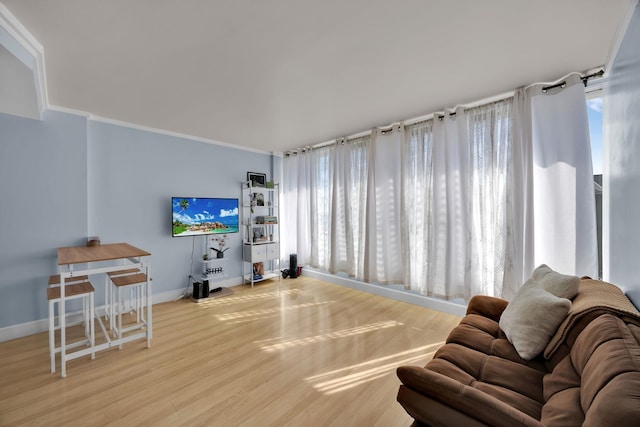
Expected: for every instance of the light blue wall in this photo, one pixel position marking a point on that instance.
(621, 204)
(132, 176)
(65, 178)
(43, 205)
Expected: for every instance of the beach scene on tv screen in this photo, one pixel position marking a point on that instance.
(196, 216)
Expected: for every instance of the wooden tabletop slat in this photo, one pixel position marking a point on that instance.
(107, 252)
(131, 279)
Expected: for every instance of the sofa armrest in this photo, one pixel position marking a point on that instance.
(466, 400)
(490, 307)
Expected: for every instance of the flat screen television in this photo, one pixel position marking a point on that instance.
(197, 216)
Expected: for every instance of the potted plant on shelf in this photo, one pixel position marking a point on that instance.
(221, 241)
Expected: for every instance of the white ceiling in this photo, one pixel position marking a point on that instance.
(280, 74)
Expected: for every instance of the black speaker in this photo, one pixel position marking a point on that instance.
(197, 290)
(293, 266)
(205, 289)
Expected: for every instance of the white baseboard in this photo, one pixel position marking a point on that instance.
(387, 292)
(23, 329)
(29, 328)
(37, 326)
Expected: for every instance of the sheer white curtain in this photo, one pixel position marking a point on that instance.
(320, 172)
(383, 250)
(417, 164)
(456, 176)
(520, 260)
(295, 208)
(422, 206)
(348, 211)
(307, 189)
(553, 196)
(448, 242)
(490, 135)
(455, 206)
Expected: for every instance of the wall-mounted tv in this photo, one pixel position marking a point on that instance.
(197, 216)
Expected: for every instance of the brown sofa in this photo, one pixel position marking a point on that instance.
(588, 374)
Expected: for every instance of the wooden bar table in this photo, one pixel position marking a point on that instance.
(109, 257)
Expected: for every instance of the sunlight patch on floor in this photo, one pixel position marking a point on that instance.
(351, 376)
(239, 299)
(253, 319)
(296, 342)
(267, 311)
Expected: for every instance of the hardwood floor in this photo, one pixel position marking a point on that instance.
(287, 353)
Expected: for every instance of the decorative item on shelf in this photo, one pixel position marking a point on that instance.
(214, 270)
(221, 240)
(258, 270)
(259, 198)
(258, 234)
(270, 184)
(266, 220)
(257, 179)
(93, 241)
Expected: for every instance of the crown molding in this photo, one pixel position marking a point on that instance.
(99, 119)
(24, 46)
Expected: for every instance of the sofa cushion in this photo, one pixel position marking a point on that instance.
(479, 356)
(429, 412)
(531, 318)
(560, 285)
(437, 391)
(486, 306)
(484, 335)
(477, 367)
(598, 382)
(562, 392)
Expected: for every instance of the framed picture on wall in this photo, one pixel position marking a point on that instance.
(257, 179)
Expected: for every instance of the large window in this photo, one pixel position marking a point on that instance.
(447, 207)
(594, 109)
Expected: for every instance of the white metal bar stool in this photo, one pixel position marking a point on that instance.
(109, 293)
(137, 283)
(74, 288)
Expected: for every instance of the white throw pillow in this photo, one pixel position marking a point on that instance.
(560, 285)
(531, 318)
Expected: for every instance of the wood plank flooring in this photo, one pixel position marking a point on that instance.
(286, 353)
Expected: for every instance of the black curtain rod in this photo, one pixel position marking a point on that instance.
(584, 79)
(561, 85)
(440, 117)
(590, 76)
